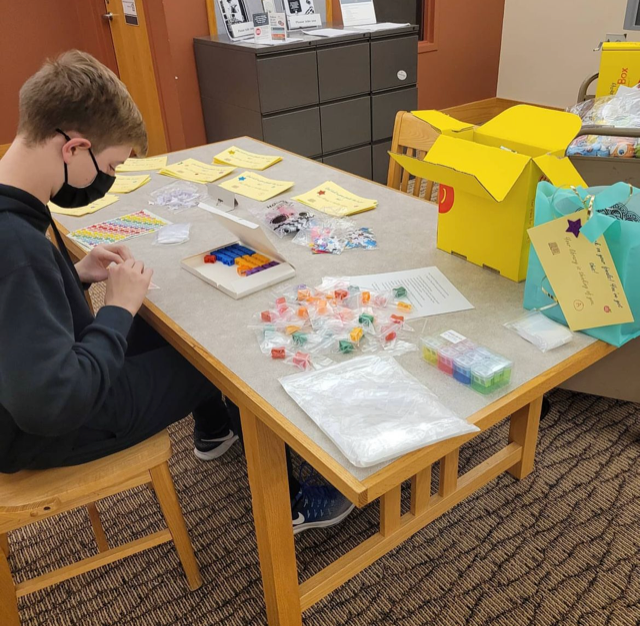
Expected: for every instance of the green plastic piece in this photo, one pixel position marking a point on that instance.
(346, 346)
(299, 338)
(399, 292)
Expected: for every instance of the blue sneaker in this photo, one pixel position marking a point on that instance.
(318, 506)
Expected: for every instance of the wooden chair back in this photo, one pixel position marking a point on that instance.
(413, 137)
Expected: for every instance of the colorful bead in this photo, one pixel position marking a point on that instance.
(267, 316)
(356, 334)
(291, 329)
(397, 319)
(404, 306)
(366, 319)
(399, 292)
(346, 346)
(299, 338)
(341, 294)
(278, 353)
(302, 360)
(210, 258)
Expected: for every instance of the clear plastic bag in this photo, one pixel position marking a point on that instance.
(179, 196)
(542, 332)
(284, 217)
(325, 235)
(373, 410)
(173, 234)
(621, 110)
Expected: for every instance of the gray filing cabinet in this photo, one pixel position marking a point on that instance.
(332, 99)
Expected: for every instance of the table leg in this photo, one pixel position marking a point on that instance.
(267, 467)
(523, 430)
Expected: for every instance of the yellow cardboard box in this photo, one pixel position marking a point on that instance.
(619, 65)
(488, 177)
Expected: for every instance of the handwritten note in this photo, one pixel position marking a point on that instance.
(582, 274)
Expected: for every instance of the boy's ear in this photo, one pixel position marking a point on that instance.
(74, 144)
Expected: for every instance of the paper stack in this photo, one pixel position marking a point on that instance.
(334, 200)
(127, 184)
(196, 171)
(85, 210)
(241, 158)
(256, 187)
(143, 165)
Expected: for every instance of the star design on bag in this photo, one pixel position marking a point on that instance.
(321, 193)
(574, 227)
(242, 178)
(232, 151)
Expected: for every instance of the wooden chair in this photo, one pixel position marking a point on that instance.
(413, 137)
(30, 496)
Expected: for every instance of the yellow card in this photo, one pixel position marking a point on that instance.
(143, 165)
(197, 171)
(241, 158)
(582, 274)
(334, 200)
(126, 184)
(85, 210)
(256, 187)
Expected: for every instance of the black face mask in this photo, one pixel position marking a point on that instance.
(69, 197)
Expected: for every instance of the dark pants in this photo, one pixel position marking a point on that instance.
(157, 387)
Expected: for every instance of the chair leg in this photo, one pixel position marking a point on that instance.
(168, 499)
(98, 530)
(4, 544)
(9, 615)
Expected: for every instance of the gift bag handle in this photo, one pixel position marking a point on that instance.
(597, 223)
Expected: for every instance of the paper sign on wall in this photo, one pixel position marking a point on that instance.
(582, 274)
(130, 12)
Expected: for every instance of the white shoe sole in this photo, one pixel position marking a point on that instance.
(333, 522)
(216, 453)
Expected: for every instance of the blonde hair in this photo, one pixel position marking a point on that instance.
(75, 92)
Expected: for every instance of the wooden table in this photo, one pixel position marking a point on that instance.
(210, 330)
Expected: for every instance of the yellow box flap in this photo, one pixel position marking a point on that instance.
(620, 46)
(530, 130)
(560, 171)
(495, 170)
(442, 122)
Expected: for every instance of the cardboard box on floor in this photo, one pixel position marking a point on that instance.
(488, 177)
(619, 65)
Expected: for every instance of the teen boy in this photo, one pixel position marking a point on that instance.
(74, 387)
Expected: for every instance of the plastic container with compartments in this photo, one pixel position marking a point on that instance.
(482, 370)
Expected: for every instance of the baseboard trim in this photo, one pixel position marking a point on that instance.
(482, 111)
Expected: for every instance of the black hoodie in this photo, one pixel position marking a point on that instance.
(56, 360)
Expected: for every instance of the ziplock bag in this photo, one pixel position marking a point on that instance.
(373, 410)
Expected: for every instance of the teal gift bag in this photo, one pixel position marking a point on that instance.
(616, 216)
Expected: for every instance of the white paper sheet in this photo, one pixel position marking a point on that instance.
(357, 12)
(430, 291)
(381, 26)
(329, 32)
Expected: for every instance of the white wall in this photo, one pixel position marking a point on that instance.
(547, 47)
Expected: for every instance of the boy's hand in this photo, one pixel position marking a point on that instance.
(93, 268)
(127, 285)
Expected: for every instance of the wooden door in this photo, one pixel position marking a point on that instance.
(135, 65)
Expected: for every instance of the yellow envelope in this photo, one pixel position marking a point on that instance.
(334, 200)
(196, 171)
(143, 165)
(256, 187)
(85, 210)
(582, 274)
(126, 184)
(241, 158)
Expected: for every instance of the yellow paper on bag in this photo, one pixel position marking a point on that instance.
(256, 187)
(241, 158)
(197, 171)
(127, 184)
(334, 200)
(143, 165)
(582, 274)
(85, 210)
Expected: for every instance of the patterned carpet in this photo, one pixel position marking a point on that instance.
(560, 547)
